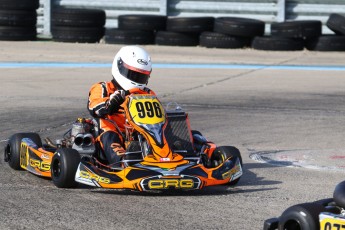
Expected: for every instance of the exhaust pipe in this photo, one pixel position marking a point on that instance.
(84, 140)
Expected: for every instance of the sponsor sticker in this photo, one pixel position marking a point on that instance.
(142, 62)
(164, 159)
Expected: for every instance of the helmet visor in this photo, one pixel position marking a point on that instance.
(134, 74)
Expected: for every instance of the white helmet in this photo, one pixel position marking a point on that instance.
(131, 67)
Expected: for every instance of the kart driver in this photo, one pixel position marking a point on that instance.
(131, 69)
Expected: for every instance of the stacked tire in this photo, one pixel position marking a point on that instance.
(232, 32)
(288, 36)
(18, 20)
(135, 29)
(183, 31)
(77, 25)
(335, 22)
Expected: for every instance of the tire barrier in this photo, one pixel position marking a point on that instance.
(219, 40)
(278, 43)
(77, 25)
(119, 36)
(170, 38)
(135, 29)
(296, 29)
(18, 20)
(228, 32)
(243, 27)
(327, 43)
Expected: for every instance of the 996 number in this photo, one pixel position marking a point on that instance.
(149, 109)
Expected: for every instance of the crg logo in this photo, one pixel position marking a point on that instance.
(171, 183)
(142, 62)
(157, 183)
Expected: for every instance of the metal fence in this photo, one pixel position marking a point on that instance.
(266, 10)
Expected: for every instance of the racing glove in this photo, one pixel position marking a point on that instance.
(116, 99)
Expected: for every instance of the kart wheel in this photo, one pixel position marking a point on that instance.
(64, 166)
(222, 153)
(339, 194)
(12, 149)
(302, 216)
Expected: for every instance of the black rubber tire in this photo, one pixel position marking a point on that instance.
(130, 37)
(297, 29)
(336, 22)
(339, 194)
(222, 153)
(218, 40)
(19, 4)
(190, 24)
(64, 166)
(244, 27)
(169, 38)
(77, 34)
(277, 43)
(78, 17)
(327, 43)
(18, 18)
(18, 33)
(142, 22)
(291, 219)
(12, 149)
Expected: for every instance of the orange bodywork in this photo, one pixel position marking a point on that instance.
(36, 161)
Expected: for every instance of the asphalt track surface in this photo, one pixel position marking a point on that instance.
(292, 118)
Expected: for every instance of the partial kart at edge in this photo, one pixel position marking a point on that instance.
(326, 214)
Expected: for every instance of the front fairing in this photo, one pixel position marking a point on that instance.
(145, 114)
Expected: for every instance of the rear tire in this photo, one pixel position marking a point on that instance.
(64, 165)
(292, 219)
(12, 149)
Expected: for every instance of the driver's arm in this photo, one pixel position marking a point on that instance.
(98, 100)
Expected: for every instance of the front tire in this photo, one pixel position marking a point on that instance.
(223, 153)
(12, 149)
(301, 217)
(64, 165)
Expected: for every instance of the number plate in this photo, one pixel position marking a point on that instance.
(329, 221)
(146, 109)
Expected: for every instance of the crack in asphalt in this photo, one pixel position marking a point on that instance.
(229, 78)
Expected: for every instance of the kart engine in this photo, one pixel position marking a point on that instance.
(81, 136)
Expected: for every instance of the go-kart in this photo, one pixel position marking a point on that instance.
(326, 214)
(162, 152)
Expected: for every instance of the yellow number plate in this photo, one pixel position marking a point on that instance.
(146, 109)
(332, 224)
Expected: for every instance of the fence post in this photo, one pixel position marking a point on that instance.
(47, 5)
(163, 8)
(281, 10)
